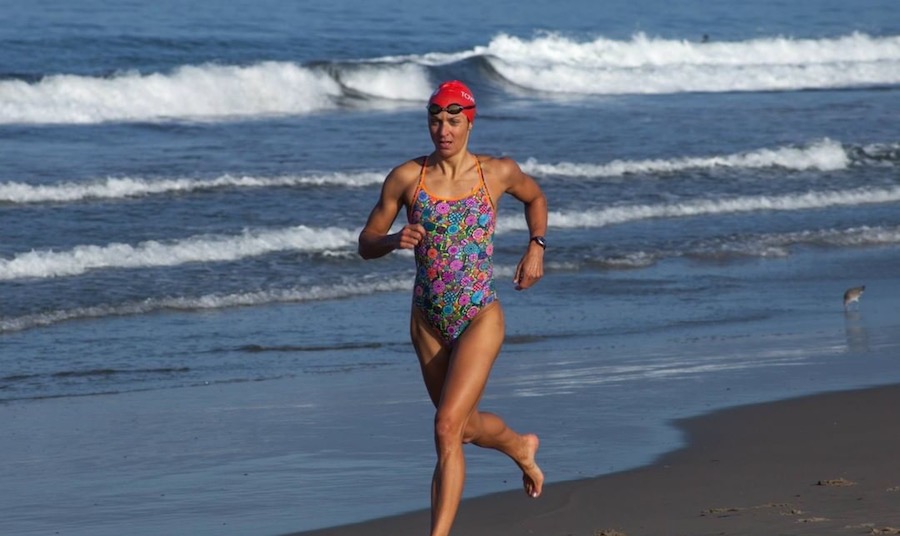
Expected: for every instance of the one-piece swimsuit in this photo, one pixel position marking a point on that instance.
(454, 262)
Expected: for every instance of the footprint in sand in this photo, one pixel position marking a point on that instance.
(836, 482)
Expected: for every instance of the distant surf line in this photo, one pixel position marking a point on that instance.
(602, 217)
(754, 245)
(206, 302)
(820, 155)
(127, 187)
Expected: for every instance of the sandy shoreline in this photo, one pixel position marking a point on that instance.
(822, 464)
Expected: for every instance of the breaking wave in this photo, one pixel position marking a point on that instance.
(547, 63)
(764, 245)
(557, 64)
(204, 248)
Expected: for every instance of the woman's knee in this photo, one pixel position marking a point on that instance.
(450, 430)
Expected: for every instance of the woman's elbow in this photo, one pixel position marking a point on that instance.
(362, 250)
(364, 253)
(365, 248)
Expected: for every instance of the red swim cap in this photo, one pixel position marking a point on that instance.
(454, 92)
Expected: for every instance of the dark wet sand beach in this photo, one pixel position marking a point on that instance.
(823, 464)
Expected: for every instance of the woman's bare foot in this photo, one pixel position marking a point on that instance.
(532, 477)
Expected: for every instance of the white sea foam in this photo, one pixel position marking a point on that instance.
(627, 213)
(201, 92)
(406, 81)
(215, 248)
(823, 155)
(122, 187)
(224, 301)
(210, 301)
(554, 63)
(48, 263)
(547, 63)
(776, 244)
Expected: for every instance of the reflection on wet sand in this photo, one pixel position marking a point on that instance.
(857, 334)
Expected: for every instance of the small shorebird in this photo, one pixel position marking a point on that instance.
(853, 295)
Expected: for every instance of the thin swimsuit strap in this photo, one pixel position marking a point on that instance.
(482, 183)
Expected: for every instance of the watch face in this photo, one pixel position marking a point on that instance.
(540, 241)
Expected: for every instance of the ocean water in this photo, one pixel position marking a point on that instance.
(189, 343)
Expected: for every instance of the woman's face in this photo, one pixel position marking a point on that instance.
(449, 133)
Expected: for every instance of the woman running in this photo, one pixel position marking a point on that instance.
(456, 324)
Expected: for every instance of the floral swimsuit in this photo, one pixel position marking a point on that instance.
(454, 264)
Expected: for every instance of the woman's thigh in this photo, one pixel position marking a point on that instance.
(471, 361)
(456, 376)
(432, 352)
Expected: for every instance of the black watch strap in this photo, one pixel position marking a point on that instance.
(540, 241)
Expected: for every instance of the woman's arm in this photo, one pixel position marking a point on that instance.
(374, 240)
(524, 188)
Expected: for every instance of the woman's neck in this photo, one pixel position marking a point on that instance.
(453, 166)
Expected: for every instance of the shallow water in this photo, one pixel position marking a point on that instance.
(187, 337)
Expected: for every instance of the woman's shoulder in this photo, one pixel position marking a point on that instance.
(499, 168)
(402, 181)
(407, 171)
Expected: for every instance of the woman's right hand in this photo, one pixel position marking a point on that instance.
(410, 236)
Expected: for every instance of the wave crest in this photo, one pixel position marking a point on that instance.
(204, 92)
(735, 205)
(549, 63)
(556, 64)
(153, 253)
(123, 187)
(823, 155)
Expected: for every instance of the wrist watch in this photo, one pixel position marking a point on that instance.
(540, 241)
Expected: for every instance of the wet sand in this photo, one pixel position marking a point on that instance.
(823, 464)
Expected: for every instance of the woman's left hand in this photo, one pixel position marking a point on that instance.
(531, 268)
